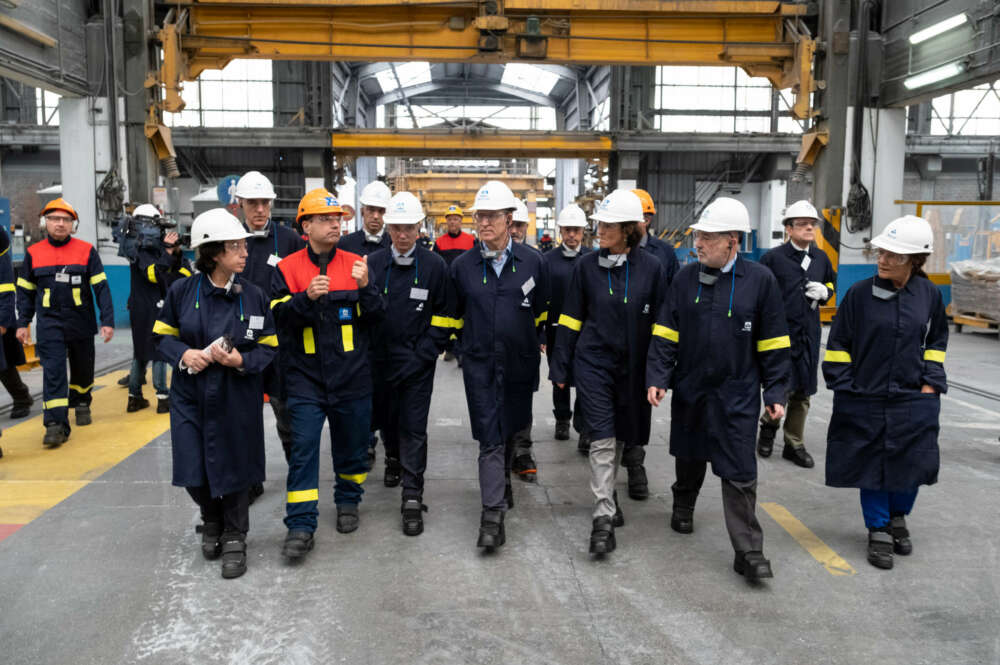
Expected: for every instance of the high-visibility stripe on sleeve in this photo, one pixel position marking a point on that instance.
(46, 296)
(836, 356)
(773, 343)
(358, 478)
(829, 285)
(935, 355)
(55, 403)
(447, 322)
(81, 389)
(278, 301)
(25, 284)
(570, 322)
(161, 328)
(151, 273)
(4, 288)
(98, 278)
(308, 341)
(347, 336)
(268, 340)
(666, 333)
(185, 272)
(544, 316)
(77, 300)
(301, 496)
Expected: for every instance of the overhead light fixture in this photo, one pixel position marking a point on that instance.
(938, 28)
(934, 75)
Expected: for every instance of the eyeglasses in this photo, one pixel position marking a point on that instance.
(493, 216)
(58, 218)
(891, 258)
(805, 223)
(325, 219)
(235, 245)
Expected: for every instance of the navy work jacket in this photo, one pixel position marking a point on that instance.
(357, 243)
(265, 251)
(560, 272)
(665, 253)
(150, 275)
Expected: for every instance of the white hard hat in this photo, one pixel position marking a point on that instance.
(254, 185)
(404, 208)
(216, 225)
(376, 194)
(494, 195)
(572, 215)
(147, 210)
(521, 212)
(621, 205)
(799, 210)
(906, 235)
(723, 214)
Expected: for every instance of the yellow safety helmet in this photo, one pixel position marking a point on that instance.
(59, 204)
(453, 210)
(647, 201)
(318, 202)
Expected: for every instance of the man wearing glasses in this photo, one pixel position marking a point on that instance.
(56, 280)
(806, 279)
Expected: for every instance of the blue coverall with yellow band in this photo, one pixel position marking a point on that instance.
(327, 376)
(58, 281)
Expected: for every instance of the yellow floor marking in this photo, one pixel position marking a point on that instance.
(819, 550)
(34, 478)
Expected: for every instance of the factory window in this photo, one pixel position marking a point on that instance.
(529, 77)
(504, 117)
(409, 73)
(975, 111)
(240, 95)
(46, 107)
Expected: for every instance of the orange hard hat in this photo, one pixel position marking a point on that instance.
(647, 201)
(59, 204)
(318, 202)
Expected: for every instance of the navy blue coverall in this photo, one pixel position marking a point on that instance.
(358, 243)
(405, 347)
(884, 346)
(8, 315)
(561, 263)
(56, 281)
(500, 320)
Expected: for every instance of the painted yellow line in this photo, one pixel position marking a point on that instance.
(819, 550)
(34, 478)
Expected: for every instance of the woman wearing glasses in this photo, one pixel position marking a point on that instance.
(216, 331)
(885, 364)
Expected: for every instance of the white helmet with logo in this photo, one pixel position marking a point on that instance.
(254, 185)
(216, 225)
(621, 205)
(572, 215)
(376, 194)
(799, 210)
(906, 235)
(147, 210)
(521, 212)
(404, 208)
(722, 215)
(494, 195)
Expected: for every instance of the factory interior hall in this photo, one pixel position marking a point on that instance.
(500, 332)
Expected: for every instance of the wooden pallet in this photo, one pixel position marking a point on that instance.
(975, 320)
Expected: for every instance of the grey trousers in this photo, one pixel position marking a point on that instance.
(739, 503)
(522, 440)
(605, 458)
(795, 419)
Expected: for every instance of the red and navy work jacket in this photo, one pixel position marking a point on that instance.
(451, 247)
(57, 280)
(324, 342)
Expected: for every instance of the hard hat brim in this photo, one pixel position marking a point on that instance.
(228, 236)
(896, 247)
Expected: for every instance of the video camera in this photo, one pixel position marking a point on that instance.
(135, 232)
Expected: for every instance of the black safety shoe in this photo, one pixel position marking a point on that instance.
(21, 410)
(638, 484)
(211, 539)
(83, 416)
(583, 444)
(562, 430)
(765, 440)
(682, 521)
(163, 405)
(491, 531)
(900, 536)
(413, 517)
(392, 472)
(602, 536)
(55, 435)
(297, 544)
(234, 555)
(619, 518)
(348, 518)
(524, 466)
(255, 491)
(752, 565)
(880, 546)
(508, 494)
(135, 403)
(124, 381)
(799, 455)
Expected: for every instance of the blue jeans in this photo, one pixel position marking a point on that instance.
(349, 427)
(880, 507)
(159, 378)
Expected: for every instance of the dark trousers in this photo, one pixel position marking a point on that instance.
(59, 396)
(19, 392)
(280, 408)
(231, 510)
(739, 503)
(404, 428)
(561, 410)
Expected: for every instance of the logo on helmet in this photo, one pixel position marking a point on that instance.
(331, 201)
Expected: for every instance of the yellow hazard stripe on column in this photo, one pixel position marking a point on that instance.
(358, 478)
(774, 343)
(25, 284)
(810, 542)
(666, 333)
(301, 496)
(832, 356)
(570, 322)
(935, 355)
(161, 328)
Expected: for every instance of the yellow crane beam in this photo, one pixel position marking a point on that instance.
(458, 143)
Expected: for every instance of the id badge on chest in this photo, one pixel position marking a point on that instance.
(62, 277)
(806, 261)
(273, 259)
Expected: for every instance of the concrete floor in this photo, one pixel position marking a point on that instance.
(113, 574)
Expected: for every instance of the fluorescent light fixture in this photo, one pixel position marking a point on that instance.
(938, 28)
(934, 75)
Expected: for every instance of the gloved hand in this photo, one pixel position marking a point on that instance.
(817, 291)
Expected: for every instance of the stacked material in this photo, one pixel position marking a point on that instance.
(975, 287)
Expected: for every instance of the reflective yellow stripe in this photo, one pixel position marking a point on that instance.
(358, 478)
(161, 328)
(4, 288)
(278, 301)
(837, 357)
(347, 336)
(55, 403)
(5, 251)
(81, 389)
(773, 343)
(185, 272)
(544, 316)
(570, 322)
(447, 322)
(829, 285)
(77, 300)
(45, 297)
(301, 496)
(935, 355)
(151, 273)
(308, 341)
(98, 278)
(357, 308)
(25, 284)
(268, 340)
(666, 333)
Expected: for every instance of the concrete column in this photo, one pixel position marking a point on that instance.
(366, 173)
(770, 231)
(568, 183)
(84, 157)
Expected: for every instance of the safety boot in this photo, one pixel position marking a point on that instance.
(55, 435)
(211, 539)
(602, 536)
(135, 403)
(753, 566)
(880, 547)
(765, 440)
(234, 555)
(562, 430)
(413, 517)
(638, 484)
(162, 404)
(524, 466)
(682, 519)
(348, 518)
(21, 409)
(491, 531)
(123, 382)
(619, 518)
(392, 472)
(900, 536)
(583, 445)
(83, 416)
(799, 455)
(297, 544)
